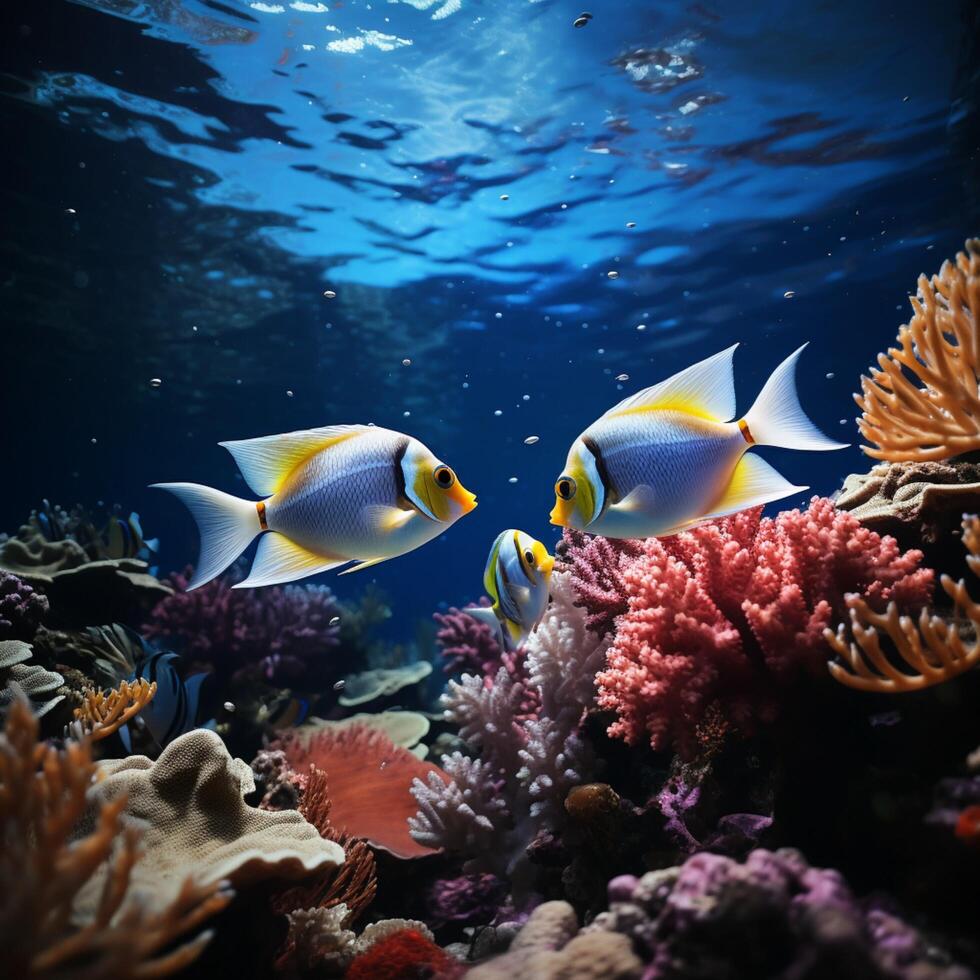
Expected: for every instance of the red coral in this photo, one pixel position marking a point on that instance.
(734, 611)
(369, 779)
(404, 955)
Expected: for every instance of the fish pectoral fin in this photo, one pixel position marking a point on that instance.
(265, 462)
(361, 565)
(640, 499)
(754, 482)
(389, 519)
(280, 559)
(706, 389)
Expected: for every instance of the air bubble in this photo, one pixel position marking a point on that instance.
(622, 377)
(156, 382)
(789, 294)
(612, 274)
(531, 440)
(329, 294)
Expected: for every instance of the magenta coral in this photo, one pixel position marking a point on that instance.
(733, 611)
(228, 627)
(21, 608)
(467, 645)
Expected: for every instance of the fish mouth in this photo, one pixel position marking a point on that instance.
(547, 563)
(467, 501)
(558, 519)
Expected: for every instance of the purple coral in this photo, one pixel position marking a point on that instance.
(773, 916)
(468, 899)
(277, 628)
(21, 608)
(467, 645)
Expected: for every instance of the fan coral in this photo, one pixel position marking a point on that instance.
(370, 779)
(596, 565)
(934, 650)
(773, 916)
(401, 956)
(21, 608)
(102, 714)
(227, 627)
(940, 347)
(734, 611)
(42, 796)
(525, 765)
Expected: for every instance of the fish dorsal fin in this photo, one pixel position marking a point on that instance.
(367, 563)
(265, 462)
(706, 389)
(754, 482)
(279, 560)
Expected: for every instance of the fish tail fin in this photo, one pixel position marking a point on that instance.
(227, 526)
(777, 417)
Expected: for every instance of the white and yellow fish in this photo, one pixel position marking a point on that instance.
(333, 495)
(670, 457)
(517, 578)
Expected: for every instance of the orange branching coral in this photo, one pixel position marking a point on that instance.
(934, 649)
(101, 714)
(354, 883)
(939, 346)
(42, 797)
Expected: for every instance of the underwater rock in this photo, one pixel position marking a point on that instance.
(18, 678)
(733, 613)
(382, 682)
(21, 608)
(772, 916)
(938, 347)
(281, 788)
(917, 503)
(190, 806)
(370, 780)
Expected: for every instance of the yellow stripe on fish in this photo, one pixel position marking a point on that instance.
(334, 495)
(670, 457)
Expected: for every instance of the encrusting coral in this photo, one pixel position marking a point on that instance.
(42, 797)
(939, 347)
(103, 713)
(370, 781)
(932, 648)
(733, 613)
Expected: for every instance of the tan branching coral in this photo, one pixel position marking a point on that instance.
(101, 714)
(934, 649)
(42, 797)
(939, 347)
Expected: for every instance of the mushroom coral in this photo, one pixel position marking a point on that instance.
(939, 347)
(42, 796)
(369, 779)
(933, 649)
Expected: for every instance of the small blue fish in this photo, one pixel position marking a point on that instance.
(670, 457)
(173, 710)
(517, 578)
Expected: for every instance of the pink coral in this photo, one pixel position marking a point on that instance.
(467, 645)
(734, 611)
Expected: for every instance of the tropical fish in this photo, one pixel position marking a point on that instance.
(285, 712)
(332, 496)
(668, 458)
(173, 710)
(517, 578)
(123, 538)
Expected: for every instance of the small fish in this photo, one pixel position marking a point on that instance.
(668, 458)
(173, 710)
(288, 712)
(332, 496)
(517, 578)
(123, 538)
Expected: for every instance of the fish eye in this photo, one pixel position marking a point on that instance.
(444, 476)
(529, 558)
(565, 487)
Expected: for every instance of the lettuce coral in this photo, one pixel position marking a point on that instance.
(733, 612)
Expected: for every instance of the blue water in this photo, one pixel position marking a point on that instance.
(184, 180)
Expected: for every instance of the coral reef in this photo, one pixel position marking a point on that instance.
(370, 779)
(734, 612)
(467, 899)
(22, 609)
(104, 713)
(381, 682)
(190, 805)
(466, 644)
(42, 795)
(404, 728)
(932, 650)
(939, 348)
(19, 678)
(524, 766)
(278, 628)
(405, 953)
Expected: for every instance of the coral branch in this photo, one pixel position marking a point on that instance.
(933, 650)
(940, 347)
(102, 714)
